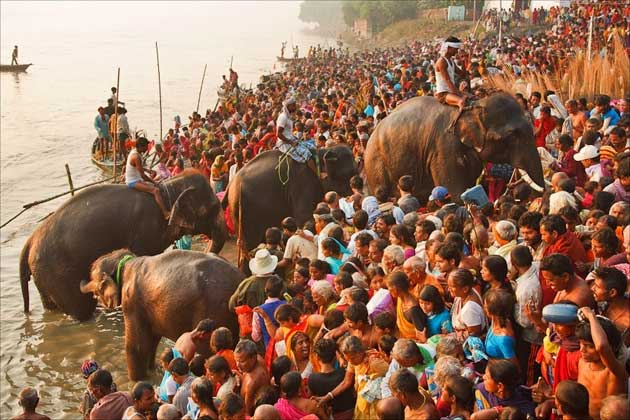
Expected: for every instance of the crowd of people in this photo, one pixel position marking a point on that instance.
(393, 308)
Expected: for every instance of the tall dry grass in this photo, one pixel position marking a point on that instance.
(579, 77)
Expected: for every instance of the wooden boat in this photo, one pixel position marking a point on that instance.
(288, 59)
(14, 67)
(106, 163)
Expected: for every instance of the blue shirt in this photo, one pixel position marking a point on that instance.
(438, 322)
(499, 346)
(613, 115)
(369, 111)
(102, 126)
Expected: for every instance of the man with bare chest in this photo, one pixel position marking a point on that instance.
(356, 319)
(608, 290)
(558, 273)
(196, 341)
(598, 369)
(254, 374)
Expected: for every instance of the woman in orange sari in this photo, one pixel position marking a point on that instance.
(410, 319)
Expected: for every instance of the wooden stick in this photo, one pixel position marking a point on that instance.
(70, 179)
(201, 87)
(157, 54)
(115, 136)
(45, 200)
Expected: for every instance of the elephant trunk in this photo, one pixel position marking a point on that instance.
(219, 233)
(529, 161)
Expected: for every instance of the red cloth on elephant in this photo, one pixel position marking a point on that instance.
(226, 215)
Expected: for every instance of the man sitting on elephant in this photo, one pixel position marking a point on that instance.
(288, 143)
(445, 90)
(196, 341)
(136, 178)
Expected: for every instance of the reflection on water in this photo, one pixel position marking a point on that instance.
(46, 118)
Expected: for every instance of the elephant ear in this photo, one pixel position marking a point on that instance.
(471, 129)
(97, 287)
(183, 211)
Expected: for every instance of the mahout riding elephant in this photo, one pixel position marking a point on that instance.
(417, 139)
(103, 218)
(273, 186)
(162, 296)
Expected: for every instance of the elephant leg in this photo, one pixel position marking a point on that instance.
(138, 346)
(48, 303)
(154, 345)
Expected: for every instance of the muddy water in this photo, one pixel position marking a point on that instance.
(46, 121)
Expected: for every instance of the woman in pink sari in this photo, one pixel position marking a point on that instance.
(290, 405)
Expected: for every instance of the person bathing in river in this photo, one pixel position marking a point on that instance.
(136, 178)
(445, 69)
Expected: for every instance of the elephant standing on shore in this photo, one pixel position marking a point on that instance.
(416, 139)
(273, 186)
(162, 296)
(103, 218)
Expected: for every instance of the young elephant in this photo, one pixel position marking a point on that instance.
(162, 296)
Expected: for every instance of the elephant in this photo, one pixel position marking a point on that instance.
(103, 218)
(257, 198)
(164, 295)
(417, 139)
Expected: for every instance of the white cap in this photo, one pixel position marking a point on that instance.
(588, 152)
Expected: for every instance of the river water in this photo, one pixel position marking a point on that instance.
(46, 121)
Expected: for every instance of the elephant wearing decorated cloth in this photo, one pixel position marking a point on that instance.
(419, 139)
(162, 296)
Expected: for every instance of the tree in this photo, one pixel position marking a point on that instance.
(327, 14)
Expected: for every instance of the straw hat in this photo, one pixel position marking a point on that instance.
(263, 263)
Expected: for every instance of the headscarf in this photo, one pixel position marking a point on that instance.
(285, 105)
(447, 44)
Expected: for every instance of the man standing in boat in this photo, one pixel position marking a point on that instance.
(14, 56)
(101, 125)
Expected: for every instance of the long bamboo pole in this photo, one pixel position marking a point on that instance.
(115, 136)
(70, 183)
(201, 87)
(45, 200)
(157, 54)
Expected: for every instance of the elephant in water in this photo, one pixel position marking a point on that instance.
(416, 140)
(103, 218)
(270, 188)
(164, 295)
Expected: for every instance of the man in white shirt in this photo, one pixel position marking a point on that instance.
(528, 298)
(324, 223)
(298, 245)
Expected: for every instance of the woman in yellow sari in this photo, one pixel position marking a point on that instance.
(410, 319)
(366, 370)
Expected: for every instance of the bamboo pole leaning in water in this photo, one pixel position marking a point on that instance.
(45, 200)
(157, 54)
(201, 87)
(70, 179)
(115, 136)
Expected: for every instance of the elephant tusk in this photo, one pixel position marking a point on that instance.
(531, 182)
